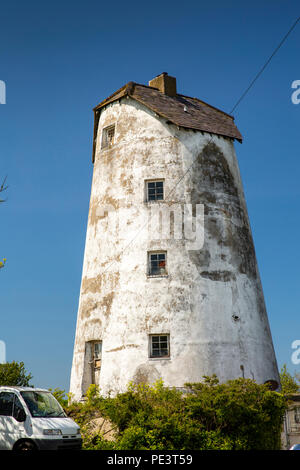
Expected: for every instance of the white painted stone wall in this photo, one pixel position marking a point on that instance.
(211, 303)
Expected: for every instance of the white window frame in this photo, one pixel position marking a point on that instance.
(159, 335)
(157, 252)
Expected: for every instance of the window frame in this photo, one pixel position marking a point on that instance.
(159, 335)
(16, 403)
(154, 180)
(12, 395)
(156, 252)
(297, 414)
(97, 358)
(105, 143)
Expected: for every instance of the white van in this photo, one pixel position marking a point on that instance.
(32, 419)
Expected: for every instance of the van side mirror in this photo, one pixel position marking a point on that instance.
(20, 415)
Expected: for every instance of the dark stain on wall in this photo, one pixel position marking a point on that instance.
(145, 373)
(225, 219)
(223, 276)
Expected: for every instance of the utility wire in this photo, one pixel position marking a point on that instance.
(235, 106)
(245, 92)
(265, 66)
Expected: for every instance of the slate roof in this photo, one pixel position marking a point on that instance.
(183, 111)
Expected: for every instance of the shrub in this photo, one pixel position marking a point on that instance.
(60, 396)
(237, 415)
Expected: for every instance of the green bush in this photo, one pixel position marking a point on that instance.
(237, 415)
(249, 414)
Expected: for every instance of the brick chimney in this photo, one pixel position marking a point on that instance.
(165, 84)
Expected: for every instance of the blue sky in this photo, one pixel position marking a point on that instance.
(61, 58)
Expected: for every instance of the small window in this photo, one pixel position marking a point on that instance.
(157, 263)
(92, 362)
(297, 414)
(6, 403)
(97, 350)
(154, 191)
(108, 136)
(159, 345)
(97, 354)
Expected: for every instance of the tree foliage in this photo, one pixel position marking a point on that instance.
(239, 414)
(289, 384)
(60, 396)
(14, 374)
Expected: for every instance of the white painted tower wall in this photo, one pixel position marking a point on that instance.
(211, 301)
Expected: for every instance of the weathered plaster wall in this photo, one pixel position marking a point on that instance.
(211, 303)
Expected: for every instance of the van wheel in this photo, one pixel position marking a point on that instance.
(25, 445)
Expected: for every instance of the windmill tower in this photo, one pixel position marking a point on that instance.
(171, 306)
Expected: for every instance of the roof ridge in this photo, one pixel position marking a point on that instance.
(128, 87)
(147, 86)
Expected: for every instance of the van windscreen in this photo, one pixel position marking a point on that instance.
(43, 405)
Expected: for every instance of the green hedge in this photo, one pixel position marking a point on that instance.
(237, 415)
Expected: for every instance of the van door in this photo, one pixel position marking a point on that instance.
(10, 429)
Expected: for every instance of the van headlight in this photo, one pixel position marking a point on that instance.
(78, 431)
(51, 432)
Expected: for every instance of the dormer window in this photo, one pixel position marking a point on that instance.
(108, 136)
